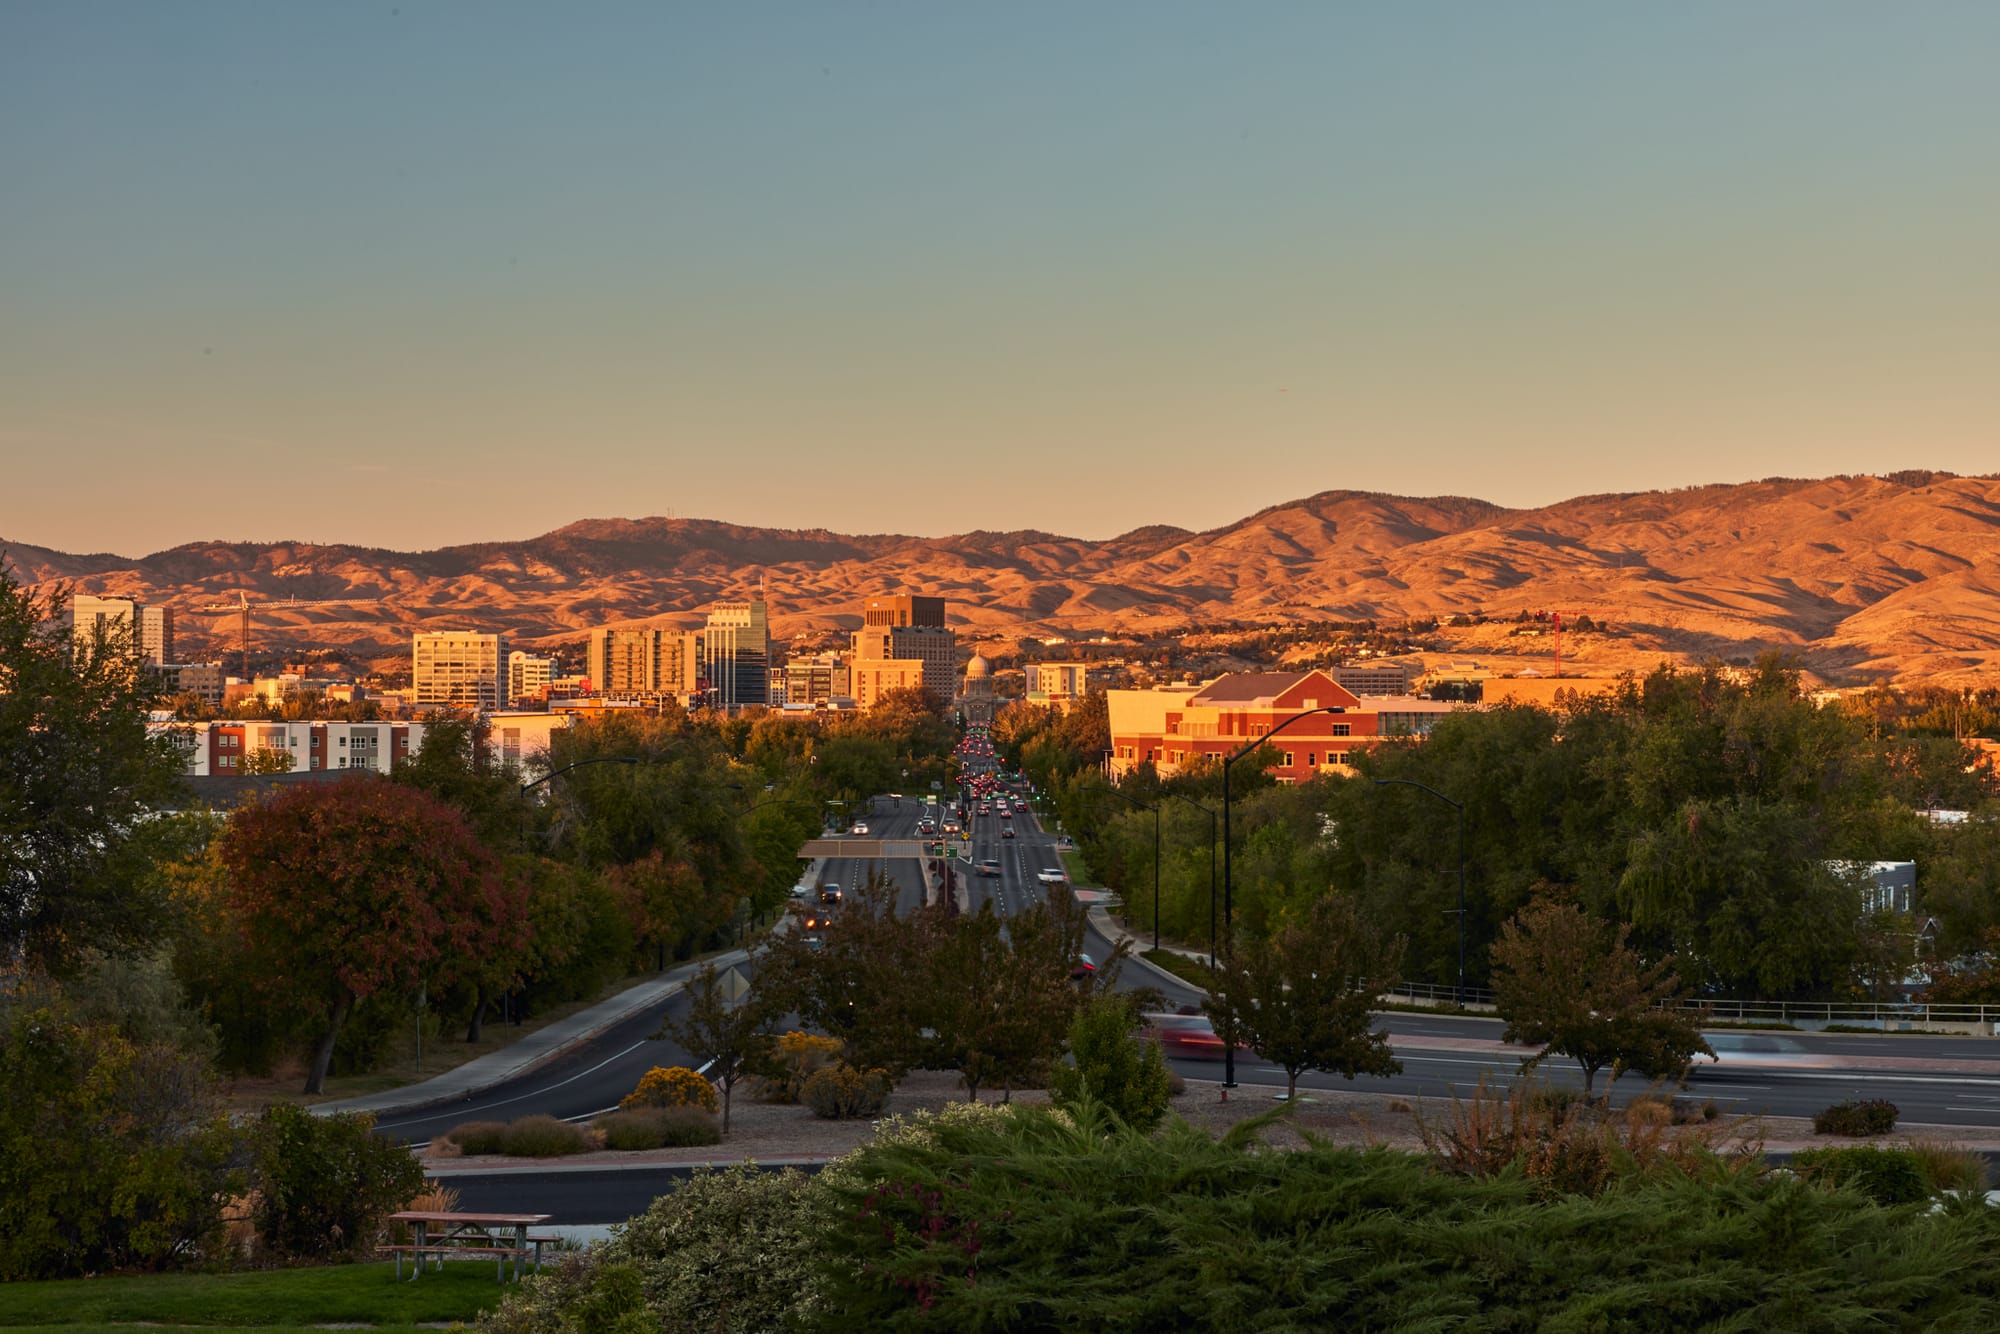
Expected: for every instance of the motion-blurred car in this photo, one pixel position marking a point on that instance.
(1183, 1036)
(860, 827)
(1053, 876)
(989, 867)
(1083, 967)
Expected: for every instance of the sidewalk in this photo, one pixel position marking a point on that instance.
(1114, 930)
(536, 1049)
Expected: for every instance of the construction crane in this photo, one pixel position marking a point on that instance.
(241, 610)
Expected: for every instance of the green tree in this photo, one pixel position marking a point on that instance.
(79, 774)
(269, 760)
(728, 1036)
(325, 1183)
(1112, 1066)
(1302, 997)
(1571, 984)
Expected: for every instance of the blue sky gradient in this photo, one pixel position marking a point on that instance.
(412, 274)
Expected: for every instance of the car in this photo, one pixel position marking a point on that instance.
(830, 895)
(989, 867)
(815, 943)
(1007, 831)
(1052, 876)
(1083, 967)
(1183, 1036)
(860, 827)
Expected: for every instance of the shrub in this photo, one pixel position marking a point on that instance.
(793, 1060)
(659, 1128)
(479, 1136)
(1949, 1167)
(734, 1251)
(543, 1137)
(1886, 1176)
(841, 1091)
(1873, 1117)
(1112, 1066)
(111, 1155)
(326, 1182)
(674, 1087)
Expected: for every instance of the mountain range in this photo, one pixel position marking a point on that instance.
(1862, 577)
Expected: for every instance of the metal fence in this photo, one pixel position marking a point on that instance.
(1869, 1014)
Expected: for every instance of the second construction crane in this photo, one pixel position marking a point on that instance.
(241, 610)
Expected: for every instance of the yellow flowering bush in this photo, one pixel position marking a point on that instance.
(794, 1057)
(675, 1086)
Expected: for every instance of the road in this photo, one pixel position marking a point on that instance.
(1945, 1081)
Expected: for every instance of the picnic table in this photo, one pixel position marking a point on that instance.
(440, 1233)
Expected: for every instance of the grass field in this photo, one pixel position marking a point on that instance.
(365, 1296)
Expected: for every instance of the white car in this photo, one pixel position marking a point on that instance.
(859, 828)
(1052, 877)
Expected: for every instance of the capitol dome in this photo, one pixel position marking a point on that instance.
(978, 669)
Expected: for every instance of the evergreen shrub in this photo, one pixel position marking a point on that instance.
(326, 1182)
(1872, 1117)
(1886, 1176)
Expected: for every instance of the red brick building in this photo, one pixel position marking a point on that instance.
(1172, 726)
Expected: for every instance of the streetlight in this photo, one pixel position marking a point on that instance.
(1112, 791)
(1211, 869)
(1228, 862)
(1458, 997)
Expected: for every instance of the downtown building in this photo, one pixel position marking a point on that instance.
(903, 643)
(1174, 726)
(459, 669)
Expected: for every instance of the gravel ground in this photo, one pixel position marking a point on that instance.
(774, 1132)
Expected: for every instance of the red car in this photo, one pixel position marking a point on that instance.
(1183, 1036)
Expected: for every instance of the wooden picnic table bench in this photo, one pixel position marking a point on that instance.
(440, 1233)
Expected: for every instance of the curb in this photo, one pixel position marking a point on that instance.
(1101, 919)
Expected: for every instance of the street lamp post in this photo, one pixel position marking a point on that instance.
(1228, 866)
(1112, 791)
(1211, 869)
(1458, 997)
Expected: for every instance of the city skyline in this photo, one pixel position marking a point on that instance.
(808, 268)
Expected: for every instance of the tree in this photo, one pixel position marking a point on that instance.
(1570, 983)
(1113, 1067)
(728, 1036)
(1302, 997)
(269, 760)
(340, 891)
(78, 774)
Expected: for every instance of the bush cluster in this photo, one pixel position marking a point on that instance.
(842, 1091)
(659, 1128)
(1030, 1218)
(793, 1059)
(526, 1137)
(675, 1086)
(1872, 1117)
(1886, 1176)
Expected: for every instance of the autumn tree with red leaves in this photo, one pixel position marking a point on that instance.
(344, 890)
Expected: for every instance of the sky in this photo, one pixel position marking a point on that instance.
(412, 274)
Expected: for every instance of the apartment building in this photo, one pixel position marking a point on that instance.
(813, 681)
(1377, 678)
(459, 669)
(643, 661)
(902, 629)
(225, 748)
(1176, 725)
(202, 679)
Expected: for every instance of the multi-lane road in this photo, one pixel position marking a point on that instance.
(1944, 1081)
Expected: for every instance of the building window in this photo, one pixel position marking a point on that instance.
(1288, 759)
(1312, 760)
(1341, 729)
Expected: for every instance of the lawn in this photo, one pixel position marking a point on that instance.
(364, 1295)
